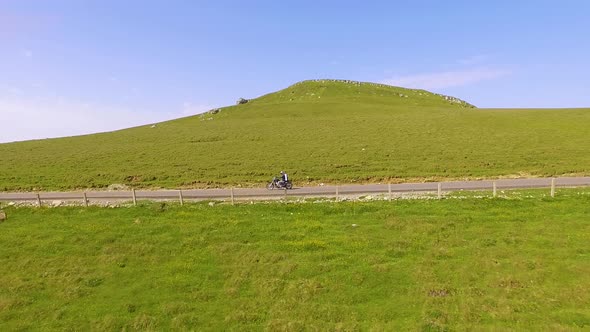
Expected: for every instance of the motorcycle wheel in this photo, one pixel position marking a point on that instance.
(270, 186)
(289, 185)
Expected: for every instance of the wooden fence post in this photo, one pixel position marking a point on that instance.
(285, 194)
(39, 200)
(494, 189)
(439, 190)
(232, 196)
(337, 194)
(552, 187)
(85, 199)
(134, 197)
(180, 197)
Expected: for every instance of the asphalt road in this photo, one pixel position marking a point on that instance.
(244, 193)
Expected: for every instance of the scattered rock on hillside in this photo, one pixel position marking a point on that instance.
(242, 101)
(449, 99)
(454, 100)
(2, 216)
(118, 186)
(214, 111)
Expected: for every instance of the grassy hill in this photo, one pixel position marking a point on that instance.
(448, 265)
(319, 131)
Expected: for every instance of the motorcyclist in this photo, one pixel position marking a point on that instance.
(284, 178)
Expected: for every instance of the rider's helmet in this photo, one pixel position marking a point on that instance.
(282, 172)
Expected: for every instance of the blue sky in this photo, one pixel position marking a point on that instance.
(73, 67)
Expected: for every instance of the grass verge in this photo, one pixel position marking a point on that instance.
(518, 263)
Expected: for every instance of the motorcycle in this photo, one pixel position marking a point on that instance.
(277, 183)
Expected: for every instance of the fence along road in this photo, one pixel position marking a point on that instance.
(330, 191)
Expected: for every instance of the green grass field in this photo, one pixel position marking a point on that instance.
(454, 264)
(331, 132)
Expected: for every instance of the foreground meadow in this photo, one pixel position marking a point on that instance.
(472, 263)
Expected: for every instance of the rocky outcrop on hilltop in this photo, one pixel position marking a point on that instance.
(449, 99)
(455, 100)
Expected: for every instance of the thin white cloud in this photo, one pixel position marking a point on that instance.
(474, 60)
(24, 119)
(14, 91)
(448, 79)
(28, 53)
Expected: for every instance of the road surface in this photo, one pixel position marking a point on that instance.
(251, 193)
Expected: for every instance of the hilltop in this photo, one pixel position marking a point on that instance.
(311, 91)
(321, 131)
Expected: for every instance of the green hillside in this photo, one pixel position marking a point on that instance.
(320, 131)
